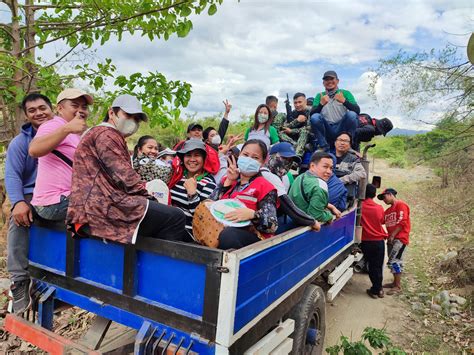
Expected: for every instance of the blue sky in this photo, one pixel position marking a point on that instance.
(253, 48)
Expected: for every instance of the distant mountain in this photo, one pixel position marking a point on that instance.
(405, 132)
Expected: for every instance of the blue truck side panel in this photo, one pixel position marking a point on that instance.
(174, 284)
(266, 276)
(177, 283)
(48, 249)
(101, 262)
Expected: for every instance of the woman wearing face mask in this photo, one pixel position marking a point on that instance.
(245, 183)
(262, 128)
(109, 199)
(146, 163)
(195, 184)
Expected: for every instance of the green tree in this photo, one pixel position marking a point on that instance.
(443, 78)
(78, 25)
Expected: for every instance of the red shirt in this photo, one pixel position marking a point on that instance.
(372, 220)
(398, 215)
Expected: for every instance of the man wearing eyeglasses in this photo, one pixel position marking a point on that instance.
(334, 111)
(348, 167)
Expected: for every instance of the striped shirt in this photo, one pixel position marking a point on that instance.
(180, 199)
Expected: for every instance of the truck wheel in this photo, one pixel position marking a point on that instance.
(310, 322)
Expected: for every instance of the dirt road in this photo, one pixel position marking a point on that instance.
(353, 309)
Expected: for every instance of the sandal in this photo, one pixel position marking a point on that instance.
(394, 291)
(390, 285)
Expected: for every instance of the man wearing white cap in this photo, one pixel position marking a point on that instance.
(54, 145)
(109, 199)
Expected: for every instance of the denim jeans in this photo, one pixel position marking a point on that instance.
(18, 241)
(56, 212)
(326, 133)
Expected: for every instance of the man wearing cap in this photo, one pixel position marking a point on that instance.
(108, 198)
(54, 145)
(334, 110)
(397, 221)
(20, 176)
(277, 172)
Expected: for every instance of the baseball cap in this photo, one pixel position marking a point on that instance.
(330, 74)
(387, 191)
(130, 105)
(71, 94)
(193, 126)
(384, 125)
(190, 145)
(166, 151)
(285, 150)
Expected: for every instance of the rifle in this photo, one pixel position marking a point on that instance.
(288, 109)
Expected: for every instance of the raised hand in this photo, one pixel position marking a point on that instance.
(340, 97)
(191, 186)
(324, 99)
(77, 125)
(228, 107)
(232, 170)
(301, 118)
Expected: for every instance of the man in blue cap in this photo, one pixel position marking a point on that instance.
(282, 157)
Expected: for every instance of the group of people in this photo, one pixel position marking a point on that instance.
(58, 170)
(396, 219)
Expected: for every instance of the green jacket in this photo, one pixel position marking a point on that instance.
(347, 95)
(272, 132)
(316, 192)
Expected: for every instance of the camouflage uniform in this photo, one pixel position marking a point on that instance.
(299, 132)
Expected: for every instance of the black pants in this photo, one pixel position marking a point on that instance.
(235, 238)
(374, 253)
(163, 222)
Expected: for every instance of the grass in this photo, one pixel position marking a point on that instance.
(392, 149)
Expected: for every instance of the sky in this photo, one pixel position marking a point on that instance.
(254, 48)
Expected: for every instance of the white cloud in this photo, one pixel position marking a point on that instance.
(255, 48)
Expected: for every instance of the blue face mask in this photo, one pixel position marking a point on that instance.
(248, 166)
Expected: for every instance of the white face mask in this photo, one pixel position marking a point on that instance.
(216, 140)
(126, 126)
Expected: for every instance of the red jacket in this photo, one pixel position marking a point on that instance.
(372, 220)
(398, 215)
(211, 164)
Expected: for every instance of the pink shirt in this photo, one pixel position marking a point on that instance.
(54, 175)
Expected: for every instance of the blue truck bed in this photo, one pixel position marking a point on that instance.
(206, 300)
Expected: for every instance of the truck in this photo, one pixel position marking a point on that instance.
(266, 298)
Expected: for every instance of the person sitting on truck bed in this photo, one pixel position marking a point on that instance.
(334, 110)
(276, 171)
(54, 144)
(108, 198)
(348, 166)
(194, 184)
(245, 183)
(20, 176)
(262, 128)
(369, 127)
(295, 129)
(337, 190)
(146, 163)
(310, 191)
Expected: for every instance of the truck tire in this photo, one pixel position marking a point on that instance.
(310, 322)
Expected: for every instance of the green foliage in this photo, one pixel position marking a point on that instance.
(377, 338)
(81, 24)
(392, 149)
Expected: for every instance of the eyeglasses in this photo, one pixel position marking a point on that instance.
(343, 140)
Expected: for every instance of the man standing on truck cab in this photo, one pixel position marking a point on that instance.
(20, 176)
(309, 191)
(373, 240)
(397, 221)
(334, 111)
